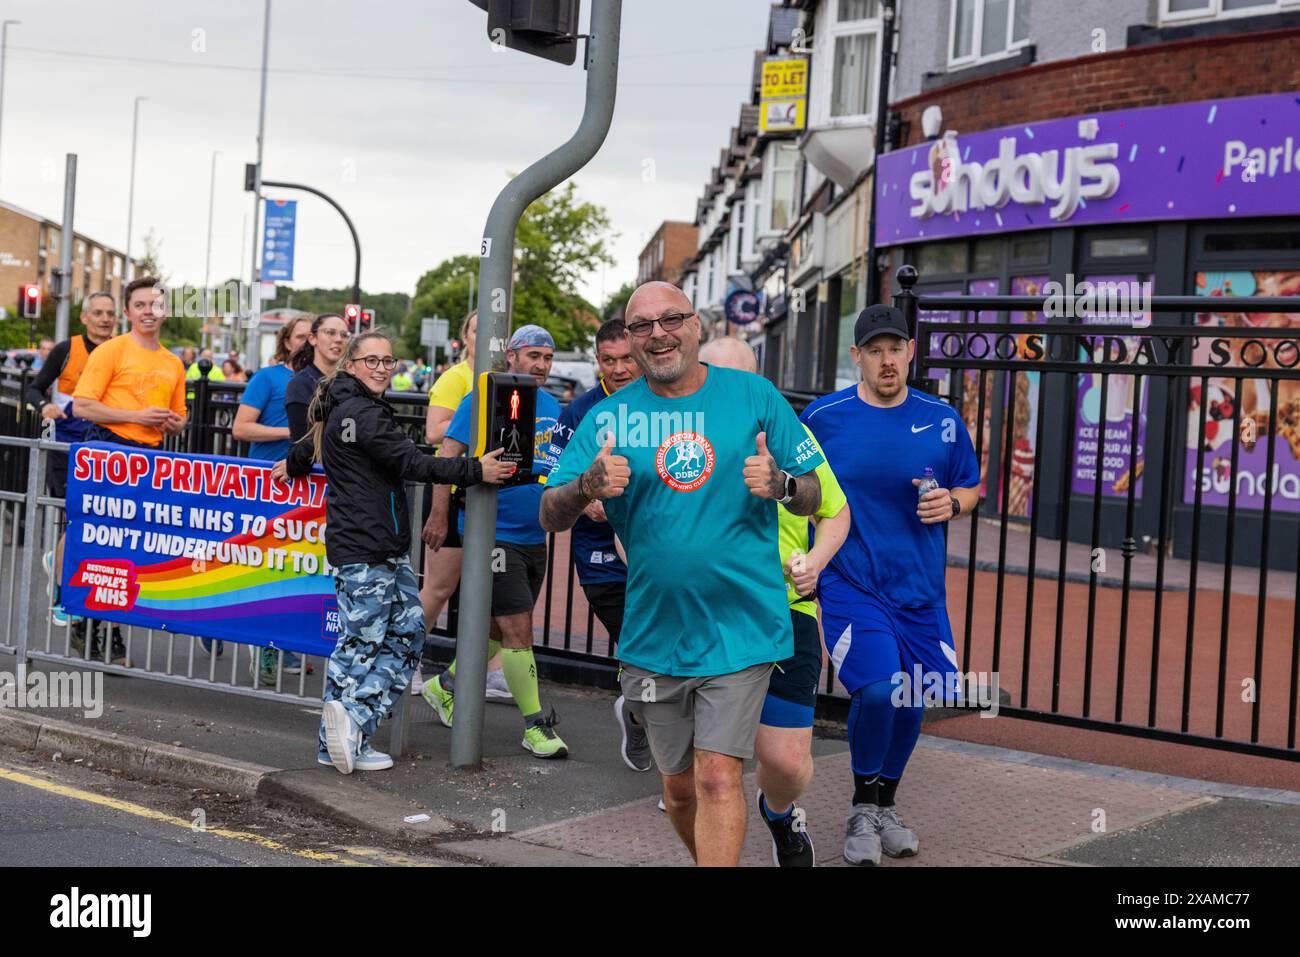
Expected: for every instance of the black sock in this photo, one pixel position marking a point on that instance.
(888, 789)
(866, 788)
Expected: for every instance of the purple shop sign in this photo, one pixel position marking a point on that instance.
(1213, 159)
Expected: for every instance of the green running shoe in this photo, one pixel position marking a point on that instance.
(439, 700)
(540, 738)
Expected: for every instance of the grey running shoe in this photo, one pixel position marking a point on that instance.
(862, 843)
(635, 748)
(896, 839)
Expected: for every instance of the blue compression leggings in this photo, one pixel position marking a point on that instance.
(881, 735)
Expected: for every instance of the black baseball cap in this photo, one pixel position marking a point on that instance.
(878, 321)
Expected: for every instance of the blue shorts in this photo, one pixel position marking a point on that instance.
(792, 691)
(869, 640)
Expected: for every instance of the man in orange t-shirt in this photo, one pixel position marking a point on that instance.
(133, 390)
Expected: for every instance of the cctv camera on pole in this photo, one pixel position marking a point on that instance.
(545, 28)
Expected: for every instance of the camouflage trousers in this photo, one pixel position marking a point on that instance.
(381, 625)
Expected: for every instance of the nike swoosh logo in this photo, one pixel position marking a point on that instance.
(922, 428)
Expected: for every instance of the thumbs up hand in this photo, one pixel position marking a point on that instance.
(762, 477)
(608, 474)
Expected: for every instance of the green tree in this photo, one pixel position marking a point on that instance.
(442, 291)
(617, 302)
(561, 240)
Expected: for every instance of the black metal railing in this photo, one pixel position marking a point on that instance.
(1084, 431)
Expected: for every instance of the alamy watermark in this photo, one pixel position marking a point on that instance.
(947, 689)
(34, 690)
(644, 430)
(1103, 301)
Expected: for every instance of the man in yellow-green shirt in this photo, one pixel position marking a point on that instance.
(784, 743)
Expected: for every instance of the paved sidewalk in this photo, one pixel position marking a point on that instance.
(971, 803)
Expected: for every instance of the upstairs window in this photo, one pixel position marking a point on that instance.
(983, 30)
(1182, 11)
(846, 62)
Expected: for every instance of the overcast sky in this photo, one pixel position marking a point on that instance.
(399, 109)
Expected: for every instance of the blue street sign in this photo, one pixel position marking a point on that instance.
(277, 240)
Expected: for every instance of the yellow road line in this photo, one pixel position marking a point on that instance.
(140, 810)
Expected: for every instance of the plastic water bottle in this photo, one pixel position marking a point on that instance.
(928, 484)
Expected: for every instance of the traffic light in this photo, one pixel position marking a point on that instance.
(367, 319)
(352, 314)
(544, 28)
(507, 406)
(250, 177)
(29, 300)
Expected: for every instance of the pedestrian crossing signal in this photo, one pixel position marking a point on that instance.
(29, 300)
(507, 410)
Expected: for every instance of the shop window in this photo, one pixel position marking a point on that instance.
(1029, 249)
(987, 256)
(983, 30)
(1120, 247)
(1272, 349)
(935, 259)
(1251, 242)
(1182, 11)
(846, 371)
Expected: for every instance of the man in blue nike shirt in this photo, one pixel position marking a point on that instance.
(883, 595)
(690, 461)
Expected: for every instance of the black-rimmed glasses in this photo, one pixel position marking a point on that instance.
(374, 362)
(670, 323)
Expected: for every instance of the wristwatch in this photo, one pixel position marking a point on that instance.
(790, 487)
(956, 506)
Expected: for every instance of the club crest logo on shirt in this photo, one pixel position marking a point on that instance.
(685, 461)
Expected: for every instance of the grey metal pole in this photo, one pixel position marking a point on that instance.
(65, 252)
(205, 338)
(130, 196)
(255, 286)
(4, 50)
(494, 304)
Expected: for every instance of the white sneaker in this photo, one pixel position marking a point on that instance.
(342, 736)
(368, 759)
(417, 681)
(497, 689)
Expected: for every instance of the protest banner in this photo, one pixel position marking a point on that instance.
(203, 545)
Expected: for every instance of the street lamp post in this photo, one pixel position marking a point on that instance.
(4, 49)
(207, 263)
(130, 196)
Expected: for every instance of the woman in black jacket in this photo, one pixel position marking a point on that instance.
(367, 460)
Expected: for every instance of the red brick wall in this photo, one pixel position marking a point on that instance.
(680, 243)
(1203, 69)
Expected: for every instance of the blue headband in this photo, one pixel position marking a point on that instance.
(531, 335)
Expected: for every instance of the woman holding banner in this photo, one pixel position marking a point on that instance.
(367, 459)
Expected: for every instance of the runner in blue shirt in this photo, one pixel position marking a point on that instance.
(521, 545)
(884, 611)
(601, 572)
(689, 461)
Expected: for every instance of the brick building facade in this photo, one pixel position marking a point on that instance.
(30, 252)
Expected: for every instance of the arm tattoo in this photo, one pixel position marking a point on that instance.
(807, 494)
(562, 506)
(775, 484)
(592, 479)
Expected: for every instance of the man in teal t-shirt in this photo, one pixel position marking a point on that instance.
(689, 461)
